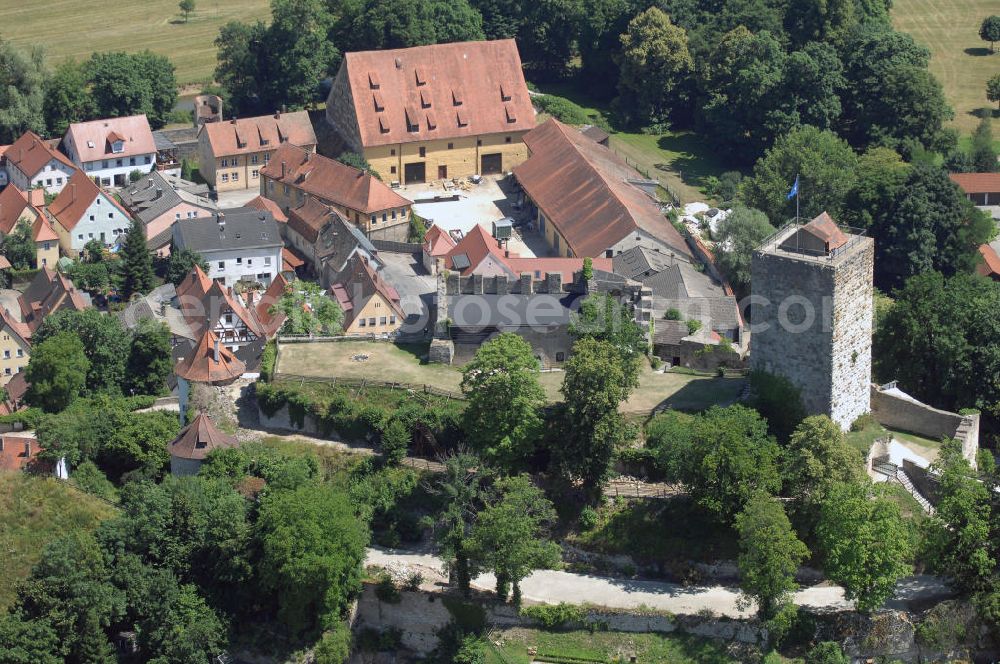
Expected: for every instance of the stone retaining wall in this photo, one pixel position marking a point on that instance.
(895, 412)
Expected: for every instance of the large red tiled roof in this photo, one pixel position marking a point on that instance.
(93, 139)
(583, 191)
(17, 452)
(475, 246)
(79, 192)
(267, 205)
(977, 183)
(13, 202)
(201, 366)
(566, 267)
(438, 91)
(30, 154)
(331, 180)
(199, 438)
(271, 322)
(265, 132)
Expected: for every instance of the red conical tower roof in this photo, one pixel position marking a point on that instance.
(210, 362)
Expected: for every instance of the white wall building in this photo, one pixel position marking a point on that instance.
(84, 212)
(241, 244)
(109, 150)
(31, 163)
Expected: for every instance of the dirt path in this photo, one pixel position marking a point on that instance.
(554, 586)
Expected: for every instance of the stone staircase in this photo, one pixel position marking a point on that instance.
(904, 479)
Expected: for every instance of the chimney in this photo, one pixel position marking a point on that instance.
(233, 121)
(215, 354)
(284, 167)
(159, 192)
(526, 287)
(72, 192)
(27, 448)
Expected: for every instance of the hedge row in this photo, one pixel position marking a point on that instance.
(338, 409)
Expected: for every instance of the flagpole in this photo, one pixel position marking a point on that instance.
(797, 186)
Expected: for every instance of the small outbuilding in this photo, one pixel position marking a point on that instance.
(194, 443)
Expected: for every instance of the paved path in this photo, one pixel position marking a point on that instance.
(552, 587)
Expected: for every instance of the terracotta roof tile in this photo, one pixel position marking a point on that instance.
(437, 241)
(582, 188)
(477, 244)
(473, 88)
(93, 140)
(990, 266)
(331, 180)
(825, 229)
(199, 438)
(271, 322)
(201, 366)
(69, 206)
(309, 218)
(13, 203)
(30, 154)
(267, 205)
(17, 452)
(290, 259)
(265, 132)
(977, 183)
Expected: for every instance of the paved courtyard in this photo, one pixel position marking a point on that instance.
(415, 287)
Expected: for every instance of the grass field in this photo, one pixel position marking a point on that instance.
(608, 646)
(33, 512)
(391, 363)
(960, 59)
(74, 29)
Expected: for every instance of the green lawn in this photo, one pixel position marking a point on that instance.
(74, 29)
(403, 364)
(960, 59)
(608, 647)
(33, 512)
(862, 440)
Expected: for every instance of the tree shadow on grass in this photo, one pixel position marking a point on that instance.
(978, 51)
(695, 160)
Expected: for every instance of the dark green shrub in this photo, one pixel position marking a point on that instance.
(555, 615)
(827, 652)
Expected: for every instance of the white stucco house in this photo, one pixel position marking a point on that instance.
(241, 244)
(31, 162)
(83, 212)
(109, 150)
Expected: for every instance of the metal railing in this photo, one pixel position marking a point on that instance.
(774, 241)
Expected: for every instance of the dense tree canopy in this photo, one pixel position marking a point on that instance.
(138, 277)
(817, 456)
(865, 542)
(738, 237)
(503, 418)
(770, 553)
(654, 62)
(824, 165)
(19, 247)
(22, 92)
(128, 84)
(372, 24)
(105, 344)
(723, 456)
(309, 310)
(57, 372)
(939, 338)
(150, 361)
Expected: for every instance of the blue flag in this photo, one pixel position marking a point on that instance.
(794, 191)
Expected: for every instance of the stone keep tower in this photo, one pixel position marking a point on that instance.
(812, 315)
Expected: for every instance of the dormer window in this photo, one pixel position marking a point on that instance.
(511, 116)
(412, 120)
(425, 99)
(373, 80)
(462, 120)
(456, 97)
(504, 93)
(420, 75)
(431, 121)
(383, 125)
(118, 146)
(378, 101)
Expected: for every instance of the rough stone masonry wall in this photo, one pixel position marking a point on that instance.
(898, 413)
(803, 356)
(852, 315)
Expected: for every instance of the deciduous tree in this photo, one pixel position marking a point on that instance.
(816, 458)
(19, 247)
(186, 7)
(460, 489)
(67, 97)
(770, 554)
(993, 88)
(105, 343)
(509, 536)
(989, 30)
(590, 428)
(983, 154)
(824, 165)
(149, 359)
(654, 60)
(958, 534)
(865, 542)
(181, 262)
(739, 235)
(503, 418)
(309, 310)
(22, 92)
(57, 372)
